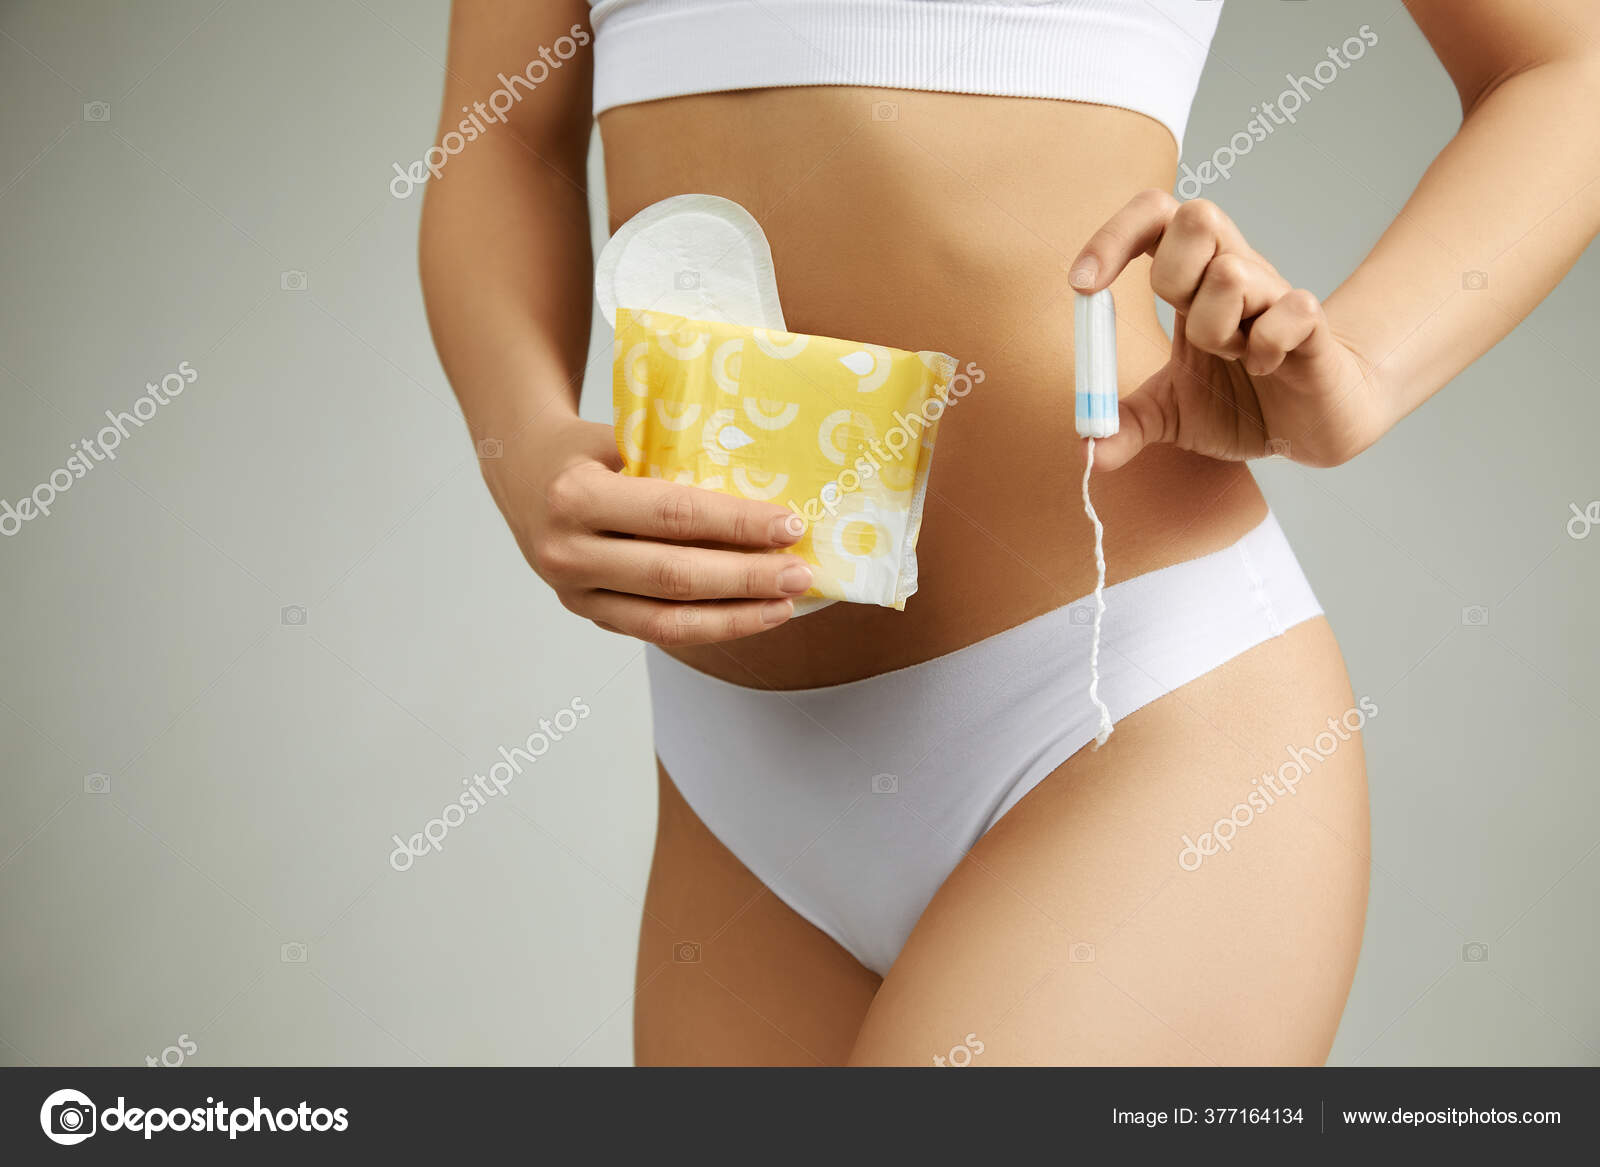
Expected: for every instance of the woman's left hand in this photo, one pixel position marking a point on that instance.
(1255, 369)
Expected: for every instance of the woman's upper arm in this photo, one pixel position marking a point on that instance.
(545, 49)
(1482, 43)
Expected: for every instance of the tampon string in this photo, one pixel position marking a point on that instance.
(1095, 414)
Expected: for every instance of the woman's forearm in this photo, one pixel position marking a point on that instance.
(506, 267)
(506, 276)
(1497, 220)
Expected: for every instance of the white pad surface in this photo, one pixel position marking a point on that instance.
(694, 255)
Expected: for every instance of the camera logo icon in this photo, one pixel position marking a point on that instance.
(1474, 281)
(97, 783)
(293, 280)
(1475, 616)
(1277, 447)
(686, 281)
(97, 111)
(293, 952)
(1081, 954)
(67, 1117)
(1082, 615)
(686, 952)
(491, 448)
(885, 784)
(1475, 952)
(885, 111)
(293, 616)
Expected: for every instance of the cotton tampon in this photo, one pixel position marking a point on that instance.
(1095, 335)
(1095, 412)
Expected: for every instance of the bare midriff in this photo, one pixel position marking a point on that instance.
(947, 222)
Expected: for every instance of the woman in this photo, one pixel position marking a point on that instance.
(880, 839)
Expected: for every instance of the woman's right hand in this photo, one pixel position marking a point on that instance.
(622, 551)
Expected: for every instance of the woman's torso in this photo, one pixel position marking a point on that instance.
(926, 220)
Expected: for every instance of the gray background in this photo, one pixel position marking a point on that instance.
(257, 769)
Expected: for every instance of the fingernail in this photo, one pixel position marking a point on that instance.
(777, 611)
(795, 579)
(1083, 275)
(787, 528)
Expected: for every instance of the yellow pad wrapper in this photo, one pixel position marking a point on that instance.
(840, 432)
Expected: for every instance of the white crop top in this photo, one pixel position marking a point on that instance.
(1143, 55)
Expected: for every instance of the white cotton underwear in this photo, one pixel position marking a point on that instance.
(854, 802)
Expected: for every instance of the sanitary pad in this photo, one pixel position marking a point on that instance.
(708, 389)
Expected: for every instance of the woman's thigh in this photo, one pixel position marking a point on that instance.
(1081, 931)
(728, 974)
